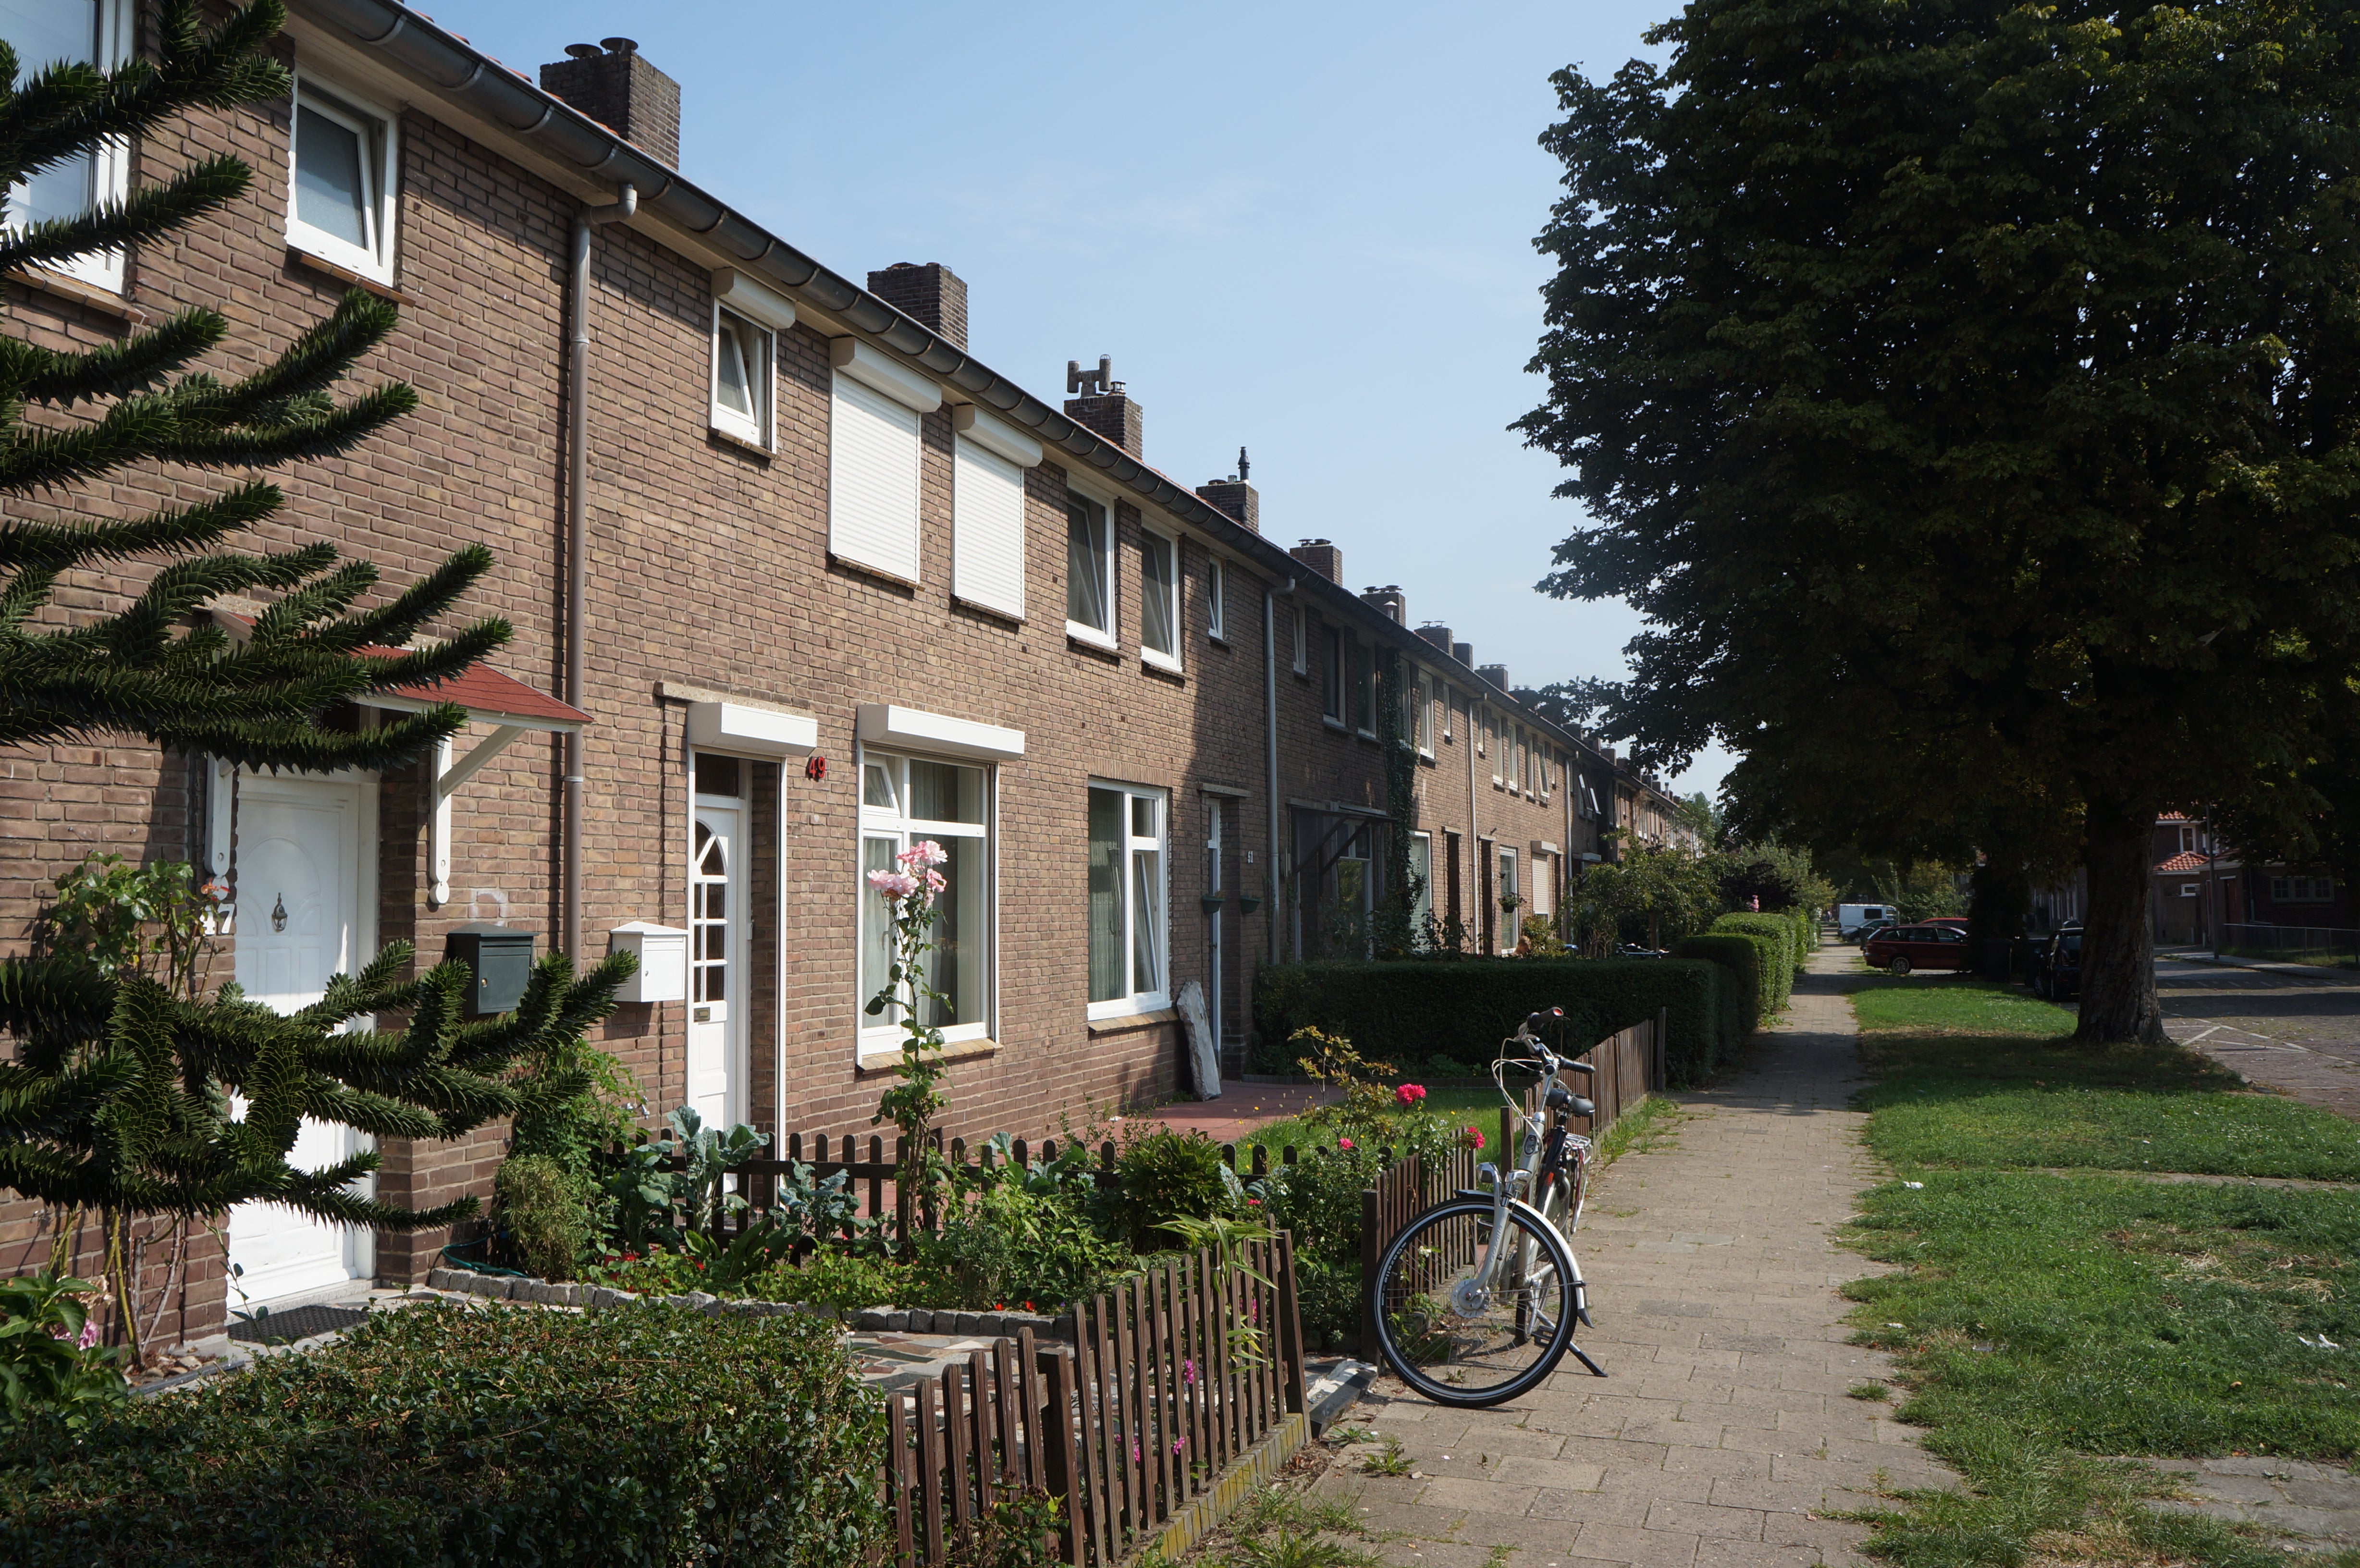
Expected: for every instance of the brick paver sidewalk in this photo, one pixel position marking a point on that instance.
(1723, 1429)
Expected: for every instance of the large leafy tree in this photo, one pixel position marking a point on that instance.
(1966, 394)
(126, 1094)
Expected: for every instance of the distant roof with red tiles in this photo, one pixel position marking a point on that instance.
(2187, 860)
(2171, 817)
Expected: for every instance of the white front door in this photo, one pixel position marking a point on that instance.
(716, 962)
(300, 919)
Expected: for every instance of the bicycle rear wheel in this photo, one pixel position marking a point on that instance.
(1457, 1338)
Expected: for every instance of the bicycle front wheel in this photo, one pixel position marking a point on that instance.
(1465, 1323)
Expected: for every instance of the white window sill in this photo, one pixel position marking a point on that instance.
(1336, 725)
(1090, 636)
(875, 1060)
(1366, 734)
(1221, 637)
(1163, 661)
(740, 439)
(364, 267)
(1138, 1013)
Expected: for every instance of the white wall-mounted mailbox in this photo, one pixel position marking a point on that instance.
(663, 961)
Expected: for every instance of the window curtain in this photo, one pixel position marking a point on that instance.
(1108, 962)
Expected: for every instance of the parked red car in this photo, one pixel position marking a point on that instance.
(1905, 948)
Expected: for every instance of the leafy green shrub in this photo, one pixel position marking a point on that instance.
(1167, 1174)
(50, 1362)
(843, 1282)
(1740, 957)
(1778, 934)
(441, 1434)
(1005, 1244)
(544, 1208)
(1417, 1009)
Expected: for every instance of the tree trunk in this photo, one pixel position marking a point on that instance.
(2118, 1000)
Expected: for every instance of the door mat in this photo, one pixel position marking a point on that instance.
(291, 1324)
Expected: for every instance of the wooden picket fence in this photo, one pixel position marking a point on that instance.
(1630, 1065)
(870, 1172)
(1171, 1380)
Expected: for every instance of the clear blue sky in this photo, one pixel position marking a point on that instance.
(1303, 229)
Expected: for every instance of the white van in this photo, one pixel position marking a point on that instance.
(1850, 917)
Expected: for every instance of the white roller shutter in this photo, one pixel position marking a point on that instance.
(872, 480)
(988, 530)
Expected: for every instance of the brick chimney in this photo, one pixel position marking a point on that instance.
(613, 84)
(1103, 407)
(1234, 496)
(933, 296)
(1497, 674)
(1322, 558)
(1464, 652)
(1389, 600)
(1435, 632)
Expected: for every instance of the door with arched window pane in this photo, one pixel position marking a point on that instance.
(716, 958)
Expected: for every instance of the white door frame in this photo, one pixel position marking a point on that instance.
(358, 851)
(736, 1026)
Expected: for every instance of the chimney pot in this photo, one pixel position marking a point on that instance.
(623, 93)
(1234, 497)
(1390, 601)
(1464, 652)
(1497, 674)
(931, 294)
(1437, 634)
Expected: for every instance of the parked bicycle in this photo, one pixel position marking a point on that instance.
(1476, 1301)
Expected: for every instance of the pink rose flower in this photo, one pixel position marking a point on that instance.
(925, 852)
(1473, 1137)
(1408, 1094)
(893, 884)
(1343, 1143)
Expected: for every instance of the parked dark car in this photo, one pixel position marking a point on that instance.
(1869, 933)
(2058, 974)
(1907, 948)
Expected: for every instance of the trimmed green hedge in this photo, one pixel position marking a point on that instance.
(1777, 935)
(1741, 959)
(1411, 1010)
(436, 1434)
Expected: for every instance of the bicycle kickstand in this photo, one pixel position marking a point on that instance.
(1583, 1357)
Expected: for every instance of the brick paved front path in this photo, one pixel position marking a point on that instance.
(1723, 1428)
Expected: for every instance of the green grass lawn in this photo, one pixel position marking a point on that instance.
(1955, 1087)
(2045, 1321)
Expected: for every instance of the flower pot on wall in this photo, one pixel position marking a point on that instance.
(1247, 904)
(1212, 903)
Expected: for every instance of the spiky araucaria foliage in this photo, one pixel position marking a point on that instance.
(143, 671)
(120, 1099)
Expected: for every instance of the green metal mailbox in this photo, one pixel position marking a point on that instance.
(500, 957)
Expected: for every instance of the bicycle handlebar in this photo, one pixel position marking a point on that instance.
(1549, 1063)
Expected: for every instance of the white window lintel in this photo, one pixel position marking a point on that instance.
(913, 729)
(895, 380)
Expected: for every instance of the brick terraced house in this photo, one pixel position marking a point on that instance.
(796, 581)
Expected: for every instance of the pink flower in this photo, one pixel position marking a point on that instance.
(89, 1335)
(925, 852)
(1187, 1371)
(1177, 1444)
(1471, 1139)
(1343, 1143)
(936, 880)
(1408, 1094)
(893, 884)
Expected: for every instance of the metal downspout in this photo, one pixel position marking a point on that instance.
(577, 528)
(1474, 829)
(1270, 714)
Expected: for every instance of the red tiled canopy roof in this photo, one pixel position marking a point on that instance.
(479, 689)
(2187, 860)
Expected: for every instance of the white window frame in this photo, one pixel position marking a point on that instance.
(1449, 712)
(1139, 1001)
(1302, 640)
(111, 159)
(1110, 635)
(1160, 657)
(2303, 890)
(380, 167)
(1334, 699)
(1505, 881)
(1217, 595)
(1423, 909)
(1425, 727)
(1366, 657)
(872, 1040)
(761, 380)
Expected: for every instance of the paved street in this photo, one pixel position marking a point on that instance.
(2292, 1032)
(1723, 1431)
